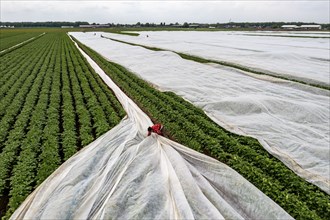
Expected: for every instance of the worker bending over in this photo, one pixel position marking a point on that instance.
(156, 128)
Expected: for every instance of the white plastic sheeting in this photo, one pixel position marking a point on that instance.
(290, 120)
(125, 175)
(305, 34)
(305, 59)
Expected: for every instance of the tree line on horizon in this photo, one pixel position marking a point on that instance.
(272, 25)
(44, 24)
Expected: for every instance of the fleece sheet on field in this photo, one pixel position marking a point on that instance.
(126, 175)
(299, 56)
(291, 121)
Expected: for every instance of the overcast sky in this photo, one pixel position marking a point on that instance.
(131, 12)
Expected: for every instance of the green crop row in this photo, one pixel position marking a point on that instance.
(10, 39)
(54, 104)
(12, 69)
(70, 129)
(20, 149)
(190, 126)
(13, 101)
(50, 156)
(104, 95)
(23, 175)
(14, 76)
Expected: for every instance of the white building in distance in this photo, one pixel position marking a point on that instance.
(304, 27)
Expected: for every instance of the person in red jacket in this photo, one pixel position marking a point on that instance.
(156, 128)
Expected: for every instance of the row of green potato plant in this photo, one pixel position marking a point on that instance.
(13, 76)
(299, 198)
(61, 106)
(86, 95)
(23, 175)
(10, 39)
(13, 101)
(6, 51)
(10, 33)
(96, 110)
(10, 67)
(50, 157)
(25, 133)
(105, 96)
(70, 128)
(84, 121)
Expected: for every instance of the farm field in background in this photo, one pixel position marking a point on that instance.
(52, 104)
(300, 56)
(12, 38)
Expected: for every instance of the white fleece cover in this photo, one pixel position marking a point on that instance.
(126, 175)
(290, 120)
(304, 59)
(305, 34)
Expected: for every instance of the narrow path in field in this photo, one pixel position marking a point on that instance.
(126, 175)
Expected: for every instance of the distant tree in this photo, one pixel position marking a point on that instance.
(77, 23)
(325, 26)
(44, 24)
(185, 25)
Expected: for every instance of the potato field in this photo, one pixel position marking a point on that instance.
(52, 104)
(11, 38)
